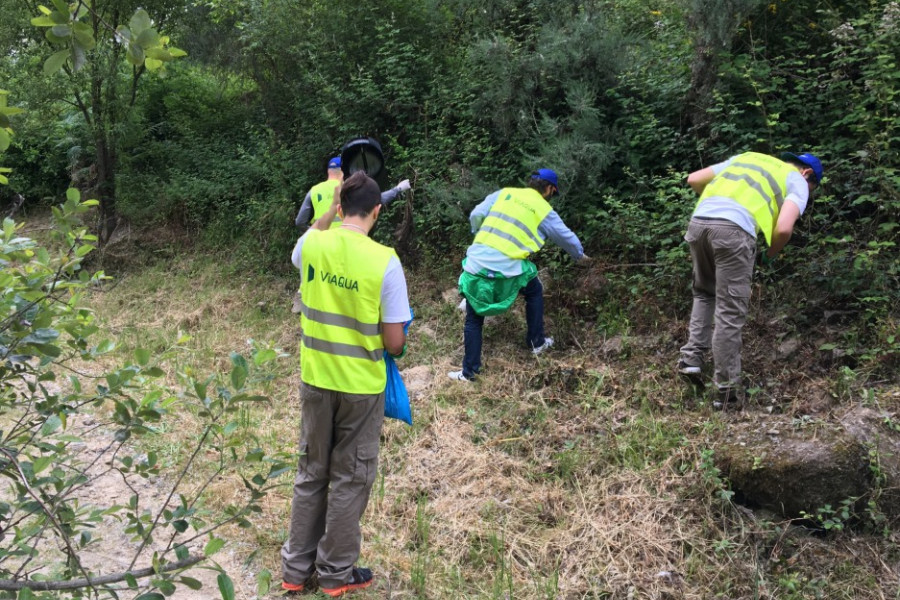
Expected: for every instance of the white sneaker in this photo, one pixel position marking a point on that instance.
(458, 376)
(686, 369)
(548, 341)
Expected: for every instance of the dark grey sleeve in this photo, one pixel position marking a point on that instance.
(306, 212)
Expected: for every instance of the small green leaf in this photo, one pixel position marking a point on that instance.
(148, 38)
(182, 552)
(73, 195)
(60, 17)
(123, 33)
(176, 52)
(85, 40)
(78, 57)
(135, 54)
(160, 54)
(105, 346)
(52, 423)
(142, 356)
(61, 6)
(213, 546)
(238, 377)
(191, 583)
(4, 139)
(25, 594)
(264, 356)
(55, 62)
(263, 583)
(226, 586)
(44, 21)
(152, 64)
(239, 361)
(140, 21)
(62, 31)
(41, 463)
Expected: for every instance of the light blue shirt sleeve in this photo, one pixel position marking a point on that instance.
(480, 212)
(553, 228)
(390, 195)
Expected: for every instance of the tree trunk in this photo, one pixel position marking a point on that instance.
(106, 187)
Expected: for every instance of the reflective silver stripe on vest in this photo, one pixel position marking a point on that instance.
(339, 349)
(329, 318)
(507, 236)
(517, 223)
(779, 198)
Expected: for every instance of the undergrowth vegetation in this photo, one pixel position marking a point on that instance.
(586, 473)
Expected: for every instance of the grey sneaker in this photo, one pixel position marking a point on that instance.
(727, 398)
(458, 376)
(690, 373)
(548, 342)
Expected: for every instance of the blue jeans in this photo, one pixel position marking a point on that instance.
(534, 317)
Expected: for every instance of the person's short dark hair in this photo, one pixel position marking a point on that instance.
(359, 195)
(538, 184)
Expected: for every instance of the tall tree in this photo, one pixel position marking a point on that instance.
(123, 42)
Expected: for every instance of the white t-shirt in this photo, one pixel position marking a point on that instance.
(394, 293)
(722, 207)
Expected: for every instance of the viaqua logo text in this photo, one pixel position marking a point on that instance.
(340, 281)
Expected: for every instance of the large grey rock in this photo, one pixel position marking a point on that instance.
(878, 431)
(791, 470)
(792, 466)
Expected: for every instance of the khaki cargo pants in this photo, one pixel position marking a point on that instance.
(339, 435)
(723, 255)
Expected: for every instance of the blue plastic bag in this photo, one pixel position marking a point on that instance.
(396, 397)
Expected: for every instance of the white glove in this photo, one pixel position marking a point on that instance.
(403, 185)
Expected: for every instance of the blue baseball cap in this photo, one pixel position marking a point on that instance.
(335, 163)
(807, 159)
(548, 175)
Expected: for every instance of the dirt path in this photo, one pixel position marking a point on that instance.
(113, 550)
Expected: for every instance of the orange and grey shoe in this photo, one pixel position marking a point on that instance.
(292, 587)
(359, 578)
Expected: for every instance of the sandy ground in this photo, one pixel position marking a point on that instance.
(114, 550)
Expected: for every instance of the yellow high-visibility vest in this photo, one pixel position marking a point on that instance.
(322, 195)
(757, 182)
(512, 223)
(341, 346)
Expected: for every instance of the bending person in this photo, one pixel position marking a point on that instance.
(510, 225)
(746, 194)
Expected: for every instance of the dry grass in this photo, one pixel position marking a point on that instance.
(576, 475)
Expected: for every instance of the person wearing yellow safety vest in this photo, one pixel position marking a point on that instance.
(739, 198)
(510, 225)
(354, 305)
(318, 198)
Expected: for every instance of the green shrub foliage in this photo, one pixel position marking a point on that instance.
(623, 98)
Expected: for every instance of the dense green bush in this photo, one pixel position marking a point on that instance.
(623, 99)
